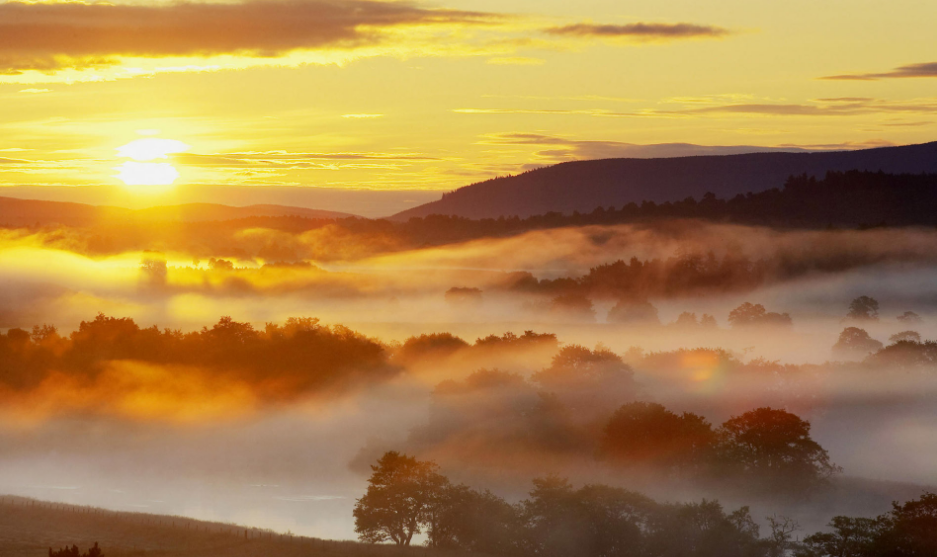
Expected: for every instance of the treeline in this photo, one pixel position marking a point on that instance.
(573, 409)
(841, 199)
(279, 361)
(637, 280)
(846, 199)
(407, 496)
(302, 354)
(73, 551)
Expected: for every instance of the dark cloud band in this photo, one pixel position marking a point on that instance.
(928, 69)
(645, 31)
(47, 37)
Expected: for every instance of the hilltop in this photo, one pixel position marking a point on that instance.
(584, 185)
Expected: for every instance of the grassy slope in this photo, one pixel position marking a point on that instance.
(28, 528)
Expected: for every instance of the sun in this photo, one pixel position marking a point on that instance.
(147, 173)
(145, 176)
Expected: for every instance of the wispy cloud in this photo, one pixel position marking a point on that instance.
(559, 149)
(641, 31)
(515, 61)
(928, 69)
(281, 161)
(830, 107)
(844, 106)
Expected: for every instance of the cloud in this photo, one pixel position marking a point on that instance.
(560, 111)
(566, 149)
(516, 61)
(50, 37)
(845, 106)
(927, 69)
(723, 104)
(641, 31)
(362, 116)
(297, 161)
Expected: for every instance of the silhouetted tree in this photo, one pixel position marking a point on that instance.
(475, 521)
(909, 318)
(591, 521)
(400, 498)
(905, 354)
(855, 343)
(748, 314)
(905, 336)
(74, 552)
(639, 312)
(686, 320)
(776, 446)
(850, 537)
(434, 345)
(647, 434)
(584, 378)
(782, 531)
(863, 308)
(907, 531)
(573, 306)
(708, 322)
(464, 296)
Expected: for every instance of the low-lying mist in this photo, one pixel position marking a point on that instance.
(254, 375)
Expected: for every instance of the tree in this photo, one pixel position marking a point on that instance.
(914, 525)
(575, 307)
(153, 268)
(863, 308)
(907, 531)
(587, 379)
(850, 537)
(782, 530)
(400, 499)
(648, 434)
(909, 318)
(905, 336)
(748, 314)
(74, 552)
(855, 343)
(474, 521)
(464, 296)
(708, 322)
(595, 520)
(774, 445)
(633, 311)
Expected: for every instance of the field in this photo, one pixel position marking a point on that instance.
(28, 528)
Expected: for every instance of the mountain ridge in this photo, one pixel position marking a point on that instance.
(584, 185)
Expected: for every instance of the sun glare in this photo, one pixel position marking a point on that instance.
(147, 173)
(145, 176)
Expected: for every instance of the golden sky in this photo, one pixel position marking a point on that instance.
(393, 95)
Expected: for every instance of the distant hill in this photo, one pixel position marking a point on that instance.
(584, 185)
(22, 212)
(372, 203)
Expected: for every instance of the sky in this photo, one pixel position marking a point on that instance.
(427, 97)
